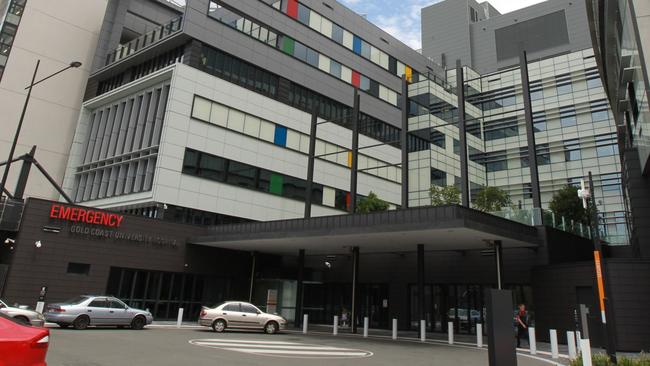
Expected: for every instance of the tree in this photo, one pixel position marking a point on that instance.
(441, 196)
(567, 204)
(491, 199)
(372, 203)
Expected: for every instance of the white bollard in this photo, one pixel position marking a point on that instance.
(450, 331)
(336, 324)
(571, 343)
(365, 327)
(479, 335)
(40, 305)
(585, 346)
(423, 330)
(179, 321)
(532, 340)
(305, 321)
(394, 328)
(554, 349)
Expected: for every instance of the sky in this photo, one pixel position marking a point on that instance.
(403, 22)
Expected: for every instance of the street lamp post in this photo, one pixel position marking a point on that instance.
(5, 175)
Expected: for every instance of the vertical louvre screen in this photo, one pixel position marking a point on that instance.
(120, 149)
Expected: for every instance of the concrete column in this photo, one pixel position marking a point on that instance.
(420, 283)
(355, 288)
(299, 287)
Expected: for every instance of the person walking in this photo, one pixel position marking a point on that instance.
(522, 320)
(344, 318)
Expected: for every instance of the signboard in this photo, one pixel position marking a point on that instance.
(87, 216)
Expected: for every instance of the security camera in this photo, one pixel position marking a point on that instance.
(164, 206)
(9, 241)
(328, 264)
(38, 244)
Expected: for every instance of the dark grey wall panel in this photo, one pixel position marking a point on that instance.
(534, 35)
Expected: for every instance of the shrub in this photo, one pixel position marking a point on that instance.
(603, 360)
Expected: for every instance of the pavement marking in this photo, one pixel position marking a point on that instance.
(281, 349)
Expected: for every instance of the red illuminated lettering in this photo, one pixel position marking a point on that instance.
(76, 214)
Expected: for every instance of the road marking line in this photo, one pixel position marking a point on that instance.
(259, 346)
(280, 348)
(304, 353)
(243, 341)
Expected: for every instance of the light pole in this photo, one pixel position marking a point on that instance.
(74, 64)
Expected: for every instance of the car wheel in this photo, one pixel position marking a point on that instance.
(138, 323)
(63, 325)
(271, 327)
(219, 326)
(81, 322)
(22, 320)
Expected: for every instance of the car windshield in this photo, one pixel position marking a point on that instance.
(76, 300)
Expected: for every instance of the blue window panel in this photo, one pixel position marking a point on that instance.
(280, 136)
(356, 45)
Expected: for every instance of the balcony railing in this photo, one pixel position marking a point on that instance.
(11, 212)
(145, 40)
(538, 217)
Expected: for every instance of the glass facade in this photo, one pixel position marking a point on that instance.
(574, 133)
(9, 28)
(232, 172)
(301, 52)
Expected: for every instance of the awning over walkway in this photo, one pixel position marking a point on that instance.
(437, 228)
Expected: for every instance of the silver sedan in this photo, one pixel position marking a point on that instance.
(240, 315)
(84, 311)
(24, 316)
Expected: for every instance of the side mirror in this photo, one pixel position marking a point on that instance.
(259, 312)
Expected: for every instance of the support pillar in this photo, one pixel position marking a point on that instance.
(310, 163)
(498, 257)
(355, 289)
(250, 292)
(24, 174)
(530, 130)
(299, 287)
(420, 283)
(354, 166)
(404, 143)
(462, 129)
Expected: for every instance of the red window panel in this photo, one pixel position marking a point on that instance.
(356, 79)
(348, 200)
(292, 8)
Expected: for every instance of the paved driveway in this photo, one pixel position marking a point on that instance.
(198, 347)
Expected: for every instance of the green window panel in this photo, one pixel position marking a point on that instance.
(288, 45)
(277, 182)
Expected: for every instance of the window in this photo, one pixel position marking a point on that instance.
(501, 128)
(539, 121)
(303, 14)
(599, 110)
(98, 303)
(593, 78)
(543, 155)
(568, 116)
(232, 307)
(116, 304)
(496, 161)
(247, 308)
(572, 150)
(536, 90)
(611, 182)
(337, 33)
(438, 138)
(563, 84)
(607, 146)
(78, 268)
(438, 177)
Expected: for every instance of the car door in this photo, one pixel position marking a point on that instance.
(251, 316)
(98, 311)
(233, 315)
(119, 313)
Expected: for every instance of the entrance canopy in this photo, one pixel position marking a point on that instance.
(442, 228)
